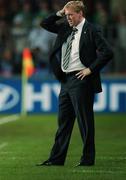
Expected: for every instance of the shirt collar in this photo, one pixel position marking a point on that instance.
(80, 25)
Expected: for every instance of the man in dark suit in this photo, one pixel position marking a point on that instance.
(79, 53)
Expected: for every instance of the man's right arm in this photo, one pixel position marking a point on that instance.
(50, 23)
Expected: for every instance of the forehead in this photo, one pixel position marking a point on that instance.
(70, 10)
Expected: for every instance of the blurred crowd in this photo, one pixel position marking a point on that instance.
(19, 28)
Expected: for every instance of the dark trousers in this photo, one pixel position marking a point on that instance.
(76, 100)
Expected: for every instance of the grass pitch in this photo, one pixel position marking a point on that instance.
(27, 141)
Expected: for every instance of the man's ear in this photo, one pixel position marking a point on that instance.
(81, 13)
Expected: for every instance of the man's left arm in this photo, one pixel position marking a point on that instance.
(105, 54)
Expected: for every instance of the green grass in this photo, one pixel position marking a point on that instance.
(29, 140)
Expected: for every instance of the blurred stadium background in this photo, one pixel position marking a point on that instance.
(27, 139)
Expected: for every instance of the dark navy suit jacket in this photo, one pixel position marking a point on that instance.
(94, 50)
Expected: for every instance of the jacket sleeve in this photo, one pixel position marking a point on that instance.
(50, 23)
(104, 51)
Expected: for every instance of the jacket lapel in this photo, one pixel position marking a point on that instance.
(65, 36)
(83, 38)
(61, 39)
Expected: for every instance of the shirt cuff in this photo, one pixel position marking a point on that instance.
(59, 14)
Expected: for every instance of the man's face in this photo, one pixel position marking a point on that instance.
(73, 18)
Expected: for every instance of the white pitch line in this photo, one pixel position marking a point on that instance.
(10, 118)
(3, 145)
(112, 157)
(6, 152)
(99, 171)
